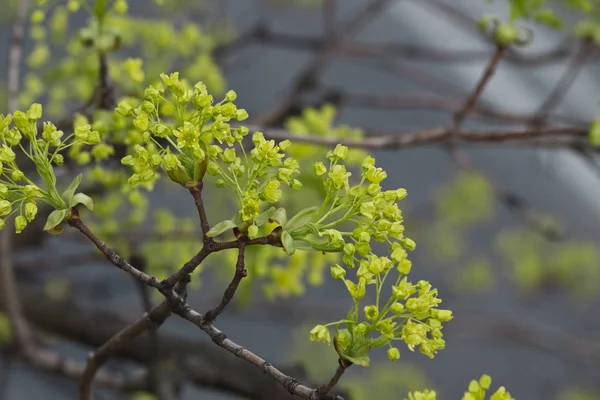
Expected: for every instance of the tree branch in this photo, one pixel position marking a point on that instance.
(240, 273)
(324, 389)
(110, 254)
(97, 358)
(220, 339)
(196, 192)
(468, 105)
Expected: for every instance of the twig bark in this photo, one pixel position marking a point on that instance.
(110, 254)
(324, 389)
(240, 273)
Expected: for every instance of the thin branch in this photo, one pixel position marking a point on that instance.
(196, 192)
(97, 358)
(565, 82)
(220, 339)
(240, 273)
(398, 140)
(106, 89)
(324, 389)
(432, 102)
(19, 326)
(110, 254)
(188, 268)
(468, 105)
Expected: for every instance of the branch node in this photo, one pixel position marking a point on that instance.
(290, 384)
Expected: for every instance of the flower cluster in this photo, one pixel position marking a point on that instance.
(19, 193)
(410, 314)
(477, 391)
(186, 134)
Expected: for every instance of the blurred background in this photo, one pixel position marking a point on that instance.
(507, 231)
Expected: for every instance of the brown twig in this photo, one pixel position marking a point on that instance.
(110, 254)
(220, 339)
(326, 388)
(97, 358)
(196, 192)
(564, 83)
(471, 100)
(240, 273)
(398, 140)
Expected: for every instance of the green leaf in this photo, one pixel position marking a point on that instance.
(594, 133)
(221, 227)
(363, 361)
(45, 170)
(549, 18)
(84, 199)
(68, 194)
(279, 216)
(288, 243)
(305, 230)
(264, 217)
(302, 218)
(55, 218)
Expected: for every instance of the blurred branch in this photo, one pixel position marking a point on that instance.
(565, 82)
(22, 334)
(398, 140)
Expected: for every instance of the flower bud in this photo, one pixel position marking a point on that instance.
(20, 223)
(371, 312)
(320, 333)
(393, 353)
(320, 169)
(30, 211)
(338, 272)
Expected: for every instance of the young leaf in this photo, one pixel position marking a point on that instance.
(305, 230)
(363, 361)
(221, 227)
(288, 243)
(303, 217)
(264, 217)
(68, 194)
(279, 216)
(55, 218)
(84, 199)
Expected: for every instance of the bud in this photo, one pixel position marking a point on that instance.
(30, 211)
(231, 95)
(320, 333)
(252, 231)
(320, 169)
(371, 312)
(20, 223)
(393, 353)
(338, 272)
(5, 207)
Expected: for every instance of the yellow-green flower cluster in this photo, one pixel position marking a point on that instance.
(18, 193)
(410, 314)
(186, 134)
(477, 391)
